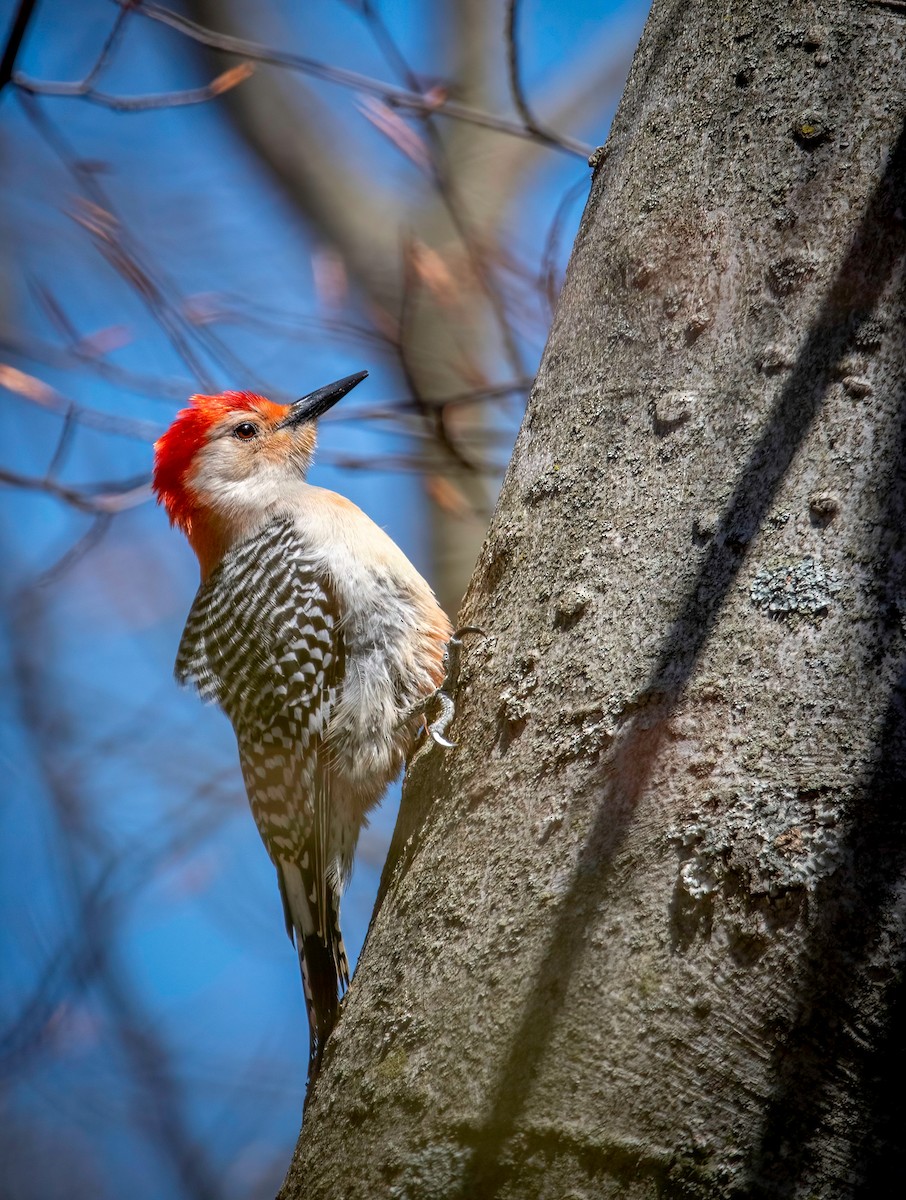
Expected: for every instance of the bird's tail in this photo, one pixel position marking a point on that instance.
(322, 957)
(319, 982)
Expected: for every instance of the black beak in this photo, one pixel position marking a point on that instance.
(315, 404)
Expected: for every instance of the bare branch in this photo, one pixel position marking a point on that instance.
(519, 100)
(98, 216)
(548, 280)
(88, 500)
(395, 96)
(36, 391)
(14, 41)
(84, 91)
(70, 357)
(583, 87)
(461, 112)
(111, 42)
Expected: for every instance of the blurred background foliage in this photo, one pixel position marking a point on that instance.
(262, 195)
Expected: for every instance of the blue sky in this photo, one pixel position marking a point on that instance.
(122, 809)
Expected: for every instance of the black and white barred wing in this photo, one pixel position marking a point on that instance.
(263, 641)
(261, 633)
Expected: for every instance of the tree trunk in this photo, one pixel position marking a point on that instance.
(641, 934)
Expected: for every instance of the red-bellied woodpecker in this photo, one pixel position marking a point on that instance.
(315, 634)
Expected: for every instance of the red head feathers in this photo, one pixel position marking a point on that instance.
(175, 451)
(174, 455)
(281, 439)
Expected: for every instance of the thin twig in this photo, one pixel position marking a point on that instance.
(109, 44)
(108, 241)
(444, 181)
(70, 357)
(474, 116)
(515, 76)
(14, 41)
(95, 533)
(398, 97)
(37, 392)
(541, 132)
(101, 501)
(126, 258)
(84, 91)
(64, 445)
(552, 241)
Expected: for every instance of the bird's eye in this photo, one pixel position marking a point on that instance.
(246, 431)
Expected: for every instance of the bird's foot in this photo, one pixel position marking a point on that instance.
(443, 696)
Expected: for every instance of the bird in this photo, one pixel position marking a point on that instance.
(315, 635)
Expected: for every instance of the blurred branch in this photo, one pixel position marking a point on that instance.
(251, 313)
(514, 74)
(413, 464)
(286, 129)
(396, 96)
(14, 41)
(399, 411)
(448, 163)
(430, 412)
(96, 499)
(83, 90)
(96, 531)
(36, 391)
(548, 279)
(159, 1105)
(583, 87)
(69, 357)
(303, 146)
(98, 216)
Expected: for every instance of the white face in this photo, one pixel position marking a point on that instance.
(248, 462)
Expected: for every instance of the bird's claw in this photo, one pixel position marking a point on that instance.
(439, 726)
(444, 694)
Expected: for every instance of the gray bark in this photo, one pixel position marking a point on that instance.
(641, 934)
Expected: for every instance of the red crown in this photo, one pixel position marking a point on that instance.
(174, 451)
